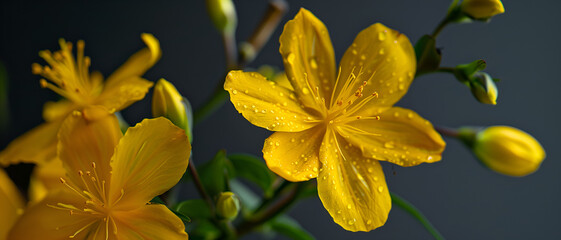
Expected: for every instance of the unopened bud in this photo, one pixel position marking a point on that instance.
(167, 102)
(223, 15)
(228, 205)
(506, 150)
(484, 89)
(482, 9)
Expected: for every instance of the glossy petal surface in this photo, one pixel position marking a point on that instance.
(309, 59)
(294, 156)
(11, 204)
(149, 160)
(37, 145)
(266, 104)
(351, 187)
(401, 137)
(150, 222)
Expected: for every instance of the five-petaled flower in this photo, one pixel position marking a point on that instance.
(110, 180)
(336, 126)
(70, 78)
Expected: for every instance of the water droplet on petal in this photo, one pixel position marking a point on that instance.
(290, 58)
(306, 91)
(380, 189)
(389, 144)
(381, 36)
(313, 63)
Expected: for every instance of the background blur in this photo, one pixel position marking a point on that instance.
(461, 198)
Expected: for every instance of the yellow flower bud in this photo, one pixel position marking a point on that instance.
(508, 150)
(167, 102)
(482, 9)
(484, 88)
(223, 15)
(228, 205)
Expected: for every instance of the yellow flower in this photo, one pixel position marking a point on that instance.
(508, 150)
(482, 9)
(336, 126)
(70, 78)
(109, 181)
(11, 204)
(167, 102)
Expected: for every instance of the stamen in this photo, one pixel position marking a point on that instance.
(82, 229)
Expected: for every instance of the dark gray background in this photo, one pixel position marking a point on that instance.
(461, 198)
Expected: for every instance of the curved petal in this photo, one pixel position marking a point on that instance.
(265, 104)
(294, 156)
(35, 146)
(87, 140)
(154, 221)
(351, 187)
(149, 160)
(401, 136)
(57, 110)
(45, 178)
(11, 204)
(120, 95)
(309, 59)
(138, 63)
(381, 57)
(45, 220)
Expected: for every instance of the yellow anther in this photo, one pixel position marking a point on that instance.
(43, 83)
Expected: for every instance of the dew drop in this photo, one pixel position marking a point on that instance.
(235, 92)
(368, 222)
(381, 51)
(389, 144)
(375, 178)
(306, 91)
(410, 115)
(313, 63)
(291, 58)
(349, 206)
(381, 36)
(370, 170)
(380, 189)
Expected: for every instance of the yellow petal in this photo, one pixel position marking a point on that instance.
(11, 204)
(153, 221)
(381, 57)
(36, 146)
(401, 136)
(308, 57)
(149, 160)
(265, 104)
(282, 80)
(351, 187)
(44, 221)
(45, 178)
(86, 143)
(138, 63)
(120, 95)
(294, 156)
(57, 110)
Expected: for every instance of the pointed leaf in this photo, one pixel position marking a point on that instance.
(196, 209)
(253, 169)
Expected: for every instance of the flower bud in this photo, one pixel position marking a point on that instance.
(505, 150)
(223, 15)
(484, 89)
(167, 102)
(228, 205)
(482, 9)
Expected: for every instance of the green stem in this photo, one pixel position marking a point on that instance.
(199, 185)
(450, 132)
(216, 101)
(265, 215)
(416, 213)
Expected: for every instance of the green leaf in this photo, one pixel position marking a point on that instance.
(428, 57)
(466, 71)
(290, 228)
(203, 230)
(253, 169)
(213, 174)
(196, 209)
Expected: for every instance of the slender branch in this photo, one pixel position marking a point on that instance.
(216, 101)
(230, 50)
(276, 194)
(416, 213)
(450, 132)
(276, 209)
(262, 33)
(199, 185)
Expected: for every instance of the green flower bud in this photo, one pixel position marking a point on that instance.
(484, 89)
(482, 9)
(167, 102)
(228, 205)
(223, 15)
(505, 150)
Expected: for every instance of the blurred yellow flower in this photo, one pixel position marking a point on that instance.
(70, 78)
(508, 150)
(336, 126)
(110, 180)
(11, 204)
(482, 9)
